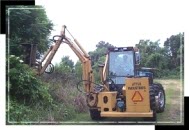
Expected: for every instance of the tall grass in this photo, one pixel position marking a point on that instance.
(68, 100)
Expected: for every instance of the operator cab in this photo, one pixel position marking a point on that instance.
(122, 61)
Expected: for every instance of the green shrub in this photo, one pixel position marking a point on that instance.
(24, 85)
(18, 112)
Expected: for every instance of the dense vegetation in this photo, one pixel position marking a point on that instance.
(28, 26)
(32, 98)
(169, 60)
(54, 97)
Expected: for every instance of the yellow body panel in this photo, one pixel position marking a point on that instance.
(137, 89)
(127, 114)
(137, 96)
(111, 101)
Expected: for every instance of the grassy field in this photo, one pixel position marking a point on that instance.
(173, 114)
(174, 111)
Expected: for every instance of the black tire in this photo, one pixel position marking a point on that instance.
(152, 105)
(159, 91)
(95, 114)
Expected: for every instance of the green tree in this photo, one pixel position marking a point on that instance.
(167, 59)
(30, 26)
(98, 57)
(65, 66)
(66, 61)
(155, 61)
(101, 50)
(147, 48)
(78, 69)
(174, 47)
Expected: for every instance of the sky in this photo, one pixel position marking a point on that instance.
(119, 22)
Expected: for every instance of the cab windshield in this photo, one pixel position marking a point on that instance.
(121, 64)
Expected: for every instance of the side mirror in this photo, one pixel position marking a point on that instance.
(137, 58)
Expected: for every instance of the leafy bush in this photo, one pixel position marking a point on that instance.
(18, 112)
(24, 85)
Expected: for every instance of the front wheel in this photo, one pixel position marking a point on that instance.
(95, 114)
(152, 105)
(160, 95)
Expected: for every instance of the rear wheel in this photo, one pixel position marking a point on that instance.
(152, 105)
(160, 94)
(95, 114)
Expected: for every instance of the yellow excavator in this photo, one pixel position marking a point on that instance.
(126, 89)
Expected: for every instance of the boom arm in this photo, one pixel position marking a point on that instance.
(79, 51)
(85, 60)
(50, 54)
